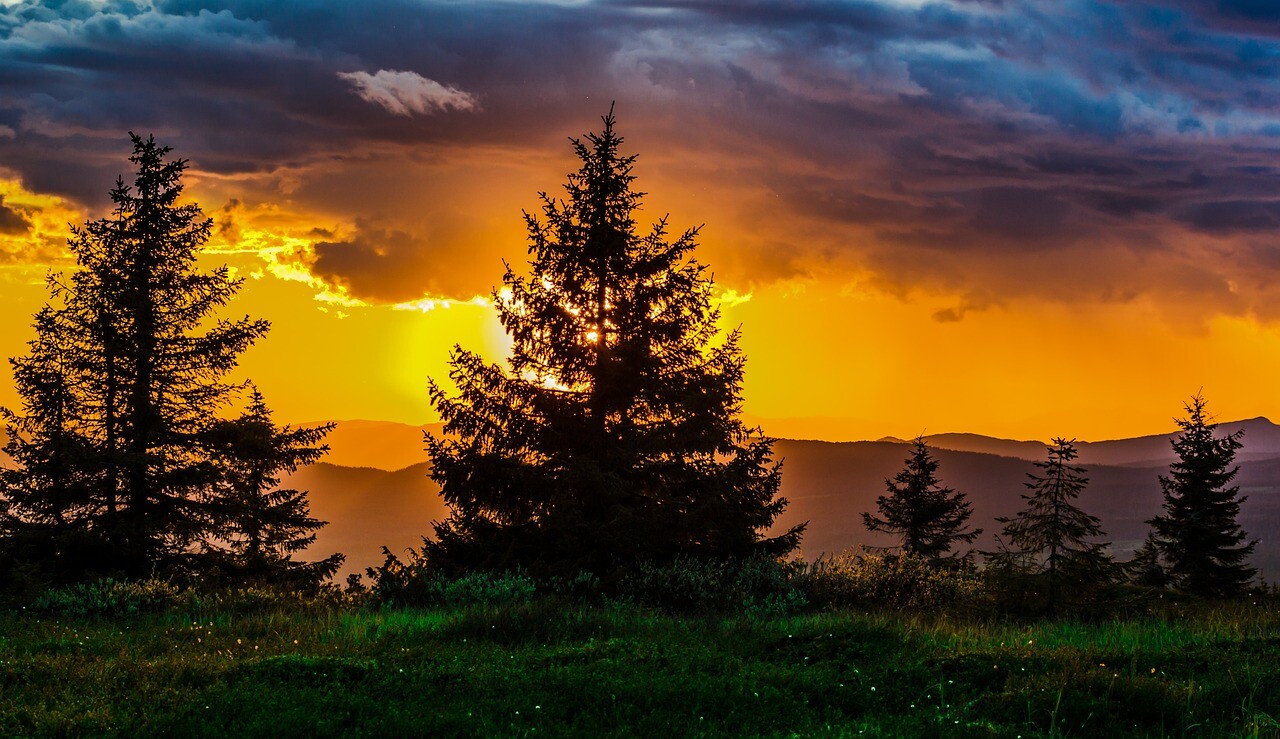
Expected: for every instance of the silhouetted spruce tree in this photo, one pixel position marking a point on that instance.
(259, 527)
(1198, 533)
(929, 518)
(1048, 538)
(141, 354)
(614, 437)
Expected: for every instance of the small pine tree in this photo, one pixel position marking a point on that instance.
(53, 486)
(43, 441)
(929, 518)
(1145, 567)
(614, 438)
(1047, 539)
(260, 527)
(1198, 533)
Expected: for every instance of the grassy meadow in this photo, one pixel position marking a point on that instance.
(558, 668)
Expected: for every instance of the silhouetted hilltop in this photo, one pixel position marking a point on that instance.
(368, 508)
(1261, 441)
(391, 446)
(385, 445)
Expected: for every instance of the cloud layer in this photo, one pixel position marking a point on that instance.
(1069, 150)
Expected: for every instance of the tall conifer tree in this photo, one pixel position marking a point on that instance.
(1049, 536)
(930, 519)
(135, 346)
(615, 436)
(1198, 534)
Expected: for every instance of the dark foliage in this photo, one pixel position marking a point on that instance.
(895, 581)
(614, 437)
(260, 527)
(120, 466)
(1198, 534)
(1146, 568)
(1045, 552)
(929, 518)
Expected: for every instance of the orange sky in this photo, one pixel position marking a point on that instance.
(830, 355)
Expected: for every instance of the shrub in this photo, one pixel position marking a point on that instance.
(756, 586)
(1087, 587)
(880, 580)
(396, 583)
(584, 586)
(106, 599)
(483, 589)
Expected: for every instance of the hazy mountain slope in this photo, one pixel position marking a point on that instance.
(382, 444)
(390, 446)
(369, 508)
(828, 484)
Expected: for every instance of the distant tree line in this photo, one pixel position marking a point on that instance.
(612, 440)
(1051, 552)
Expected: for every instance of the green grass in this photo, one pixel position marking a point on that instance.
(566, 670)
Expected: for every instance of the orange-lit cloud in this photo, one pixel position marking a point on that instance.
(33, 226)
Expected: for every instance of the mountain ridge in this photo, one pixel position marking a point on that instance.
(390, 445)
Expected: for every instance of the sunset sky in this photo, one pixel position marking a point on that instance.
(1023, 219)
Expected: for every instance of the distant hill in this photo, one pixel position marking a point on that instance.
(828, 484)
(369, 508)
(392, 446)
(1261, 440)
(385, 445)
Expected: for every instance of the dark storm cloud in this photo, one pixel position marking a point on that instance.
(386, 265)
(363, 264)
(1233, 216)
(13, 221)
(961, 145)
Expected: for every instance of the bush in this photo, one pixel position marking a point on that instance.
(755, 587)
(483, 589)
(106, 599)
(896, 581)
(396, 583)
(1087, 587)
